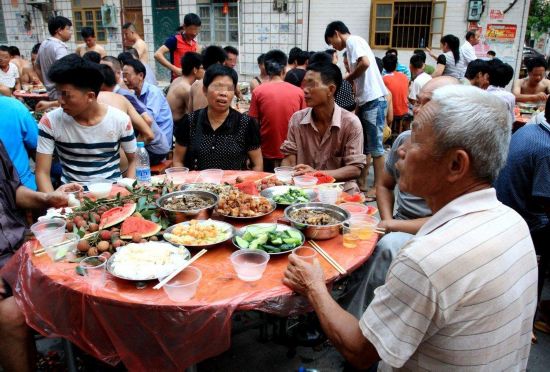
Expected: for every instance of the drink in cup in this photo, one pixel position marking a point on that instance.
(351, 237)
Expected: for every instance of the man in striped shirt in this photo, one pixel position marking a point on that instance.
(85, 134)
(462, 293)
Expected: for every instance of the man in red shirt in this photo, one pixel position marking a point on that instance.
(398, 84)
(273, 103)
(180, 44)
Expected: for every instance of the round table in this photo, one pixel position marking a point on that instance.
(142, 327)
(31, 99)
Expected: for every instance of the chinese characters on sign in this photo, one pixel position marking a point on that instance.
(501, 33)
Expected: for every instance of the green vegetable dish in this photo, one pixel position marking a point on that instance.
(271, 238)
(292, 196)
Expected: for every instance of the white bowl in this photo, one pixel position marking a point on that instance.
(100, 189)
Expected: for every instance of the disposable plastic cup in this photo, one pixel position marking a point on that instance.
(49, 231)
(249, 264)
(305, 181)
(284, 174)
(328, 195)
(351, 237)
(184, 285)
(363, 226)
(73, 188)
(305, 253)
(93, 269)
(58, 251)
(100, 188)
(211, 176)
(177, 175)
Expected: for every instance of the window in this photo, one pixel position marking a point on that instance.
(217, 27)
(3, 37)
(87, 13)
(406, 24)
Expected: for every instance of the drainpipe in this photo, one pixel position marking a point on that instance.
(308, 17)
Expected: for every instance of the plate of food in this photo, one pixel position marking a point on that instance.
(272, 238)
(199, 233)
(287, 195)
(210, 187)
(146, 261)
(239, 205)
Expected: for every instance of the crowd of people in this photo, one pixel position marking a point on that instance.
(454, 281)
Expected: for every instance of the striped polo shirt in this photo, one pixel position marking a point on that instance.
(461, 295)
(86, 152)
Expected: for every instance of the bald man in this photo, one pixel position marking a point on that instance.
(135, 41)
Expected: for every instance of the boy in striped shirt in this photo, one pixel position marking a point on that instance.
(86, 135)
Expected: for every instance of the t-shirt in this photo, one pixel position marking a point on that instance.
(369, 86)
(525, 179)
(87, 152)
(507, 97)
(295, 77)
(452, 67)
(402, 69)
(417, 84)
(9, 77)
(273, 103)
(398, 85)
(19, 132)
(50, 51)
(467, 54)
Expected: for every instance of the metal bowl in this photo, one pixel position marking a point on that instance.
(319, 232)
(208, 187)
(273, 207)
(280, 227)
(279, 190)
(229, 229)
(177, 216)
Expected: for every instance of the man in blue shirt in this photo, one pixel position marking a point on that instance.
(19, 132)
(133, 74)
(400, 67)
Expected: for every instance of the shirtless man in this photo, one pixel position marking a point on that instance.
(135, 41)
(28, 75)
(178, 94)
(15, 58)
(89, 45)
(535, 87)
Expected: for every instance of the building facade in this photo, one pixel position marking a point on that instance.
(254, 27)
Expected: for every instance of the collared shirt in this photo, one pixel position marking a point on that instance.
(12, 224)
(339, 146)
(461, 295)
(156, 103)
(507, 97)
(50, 51)
(467, 54)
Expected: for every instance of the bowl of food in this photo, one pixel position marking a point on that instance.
(272, 238)
(317, 220)
(199, 233)
(238, 205)
(181, 206)
(210, 187)
(287, 195)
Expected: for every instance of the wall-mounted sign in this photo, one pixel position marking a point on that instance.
(496, 14)
(501, 33)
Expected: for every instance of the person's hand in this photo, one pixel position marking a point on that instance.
(177, 71)
(42, 106)
(541, 96)
(387, 225)
(301, 169)
(303, 277)
(57, 199)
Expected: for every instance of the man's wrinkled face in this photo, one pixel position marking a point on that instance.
(131, 79)
(536, 75)
(90, 41)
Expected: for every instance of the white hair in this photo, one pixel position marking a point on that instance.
(476, 121)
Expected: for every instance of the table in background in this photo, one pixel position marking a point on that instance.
(31, 99)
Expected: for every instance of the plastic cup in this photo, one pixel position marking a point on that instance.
(351, 237)
(305, 181)
(328, 195)
(249, 264)
(363, 226)
(93, 269)
(184, 285)
(49, 231)
(177, 175)
(58, 251)
(284, 174)
(305, 253)
(100, 188)
(211, 176)
(355, 209)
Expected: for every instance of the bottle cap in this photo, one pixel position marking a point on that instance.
(140, 144)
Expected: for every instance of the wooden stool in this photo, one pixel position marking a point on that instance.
(161, 167)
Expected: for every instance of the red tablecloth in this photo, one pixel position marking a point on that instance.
(143, 328)
(23, 94)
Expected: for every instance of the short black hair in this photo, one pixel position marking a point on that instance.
(535, 62)
(302, 58)
(391, 51)
(475, 67)
(293, 55)
(219, 70)
(139, 68)
(469, 34)
(125, 57)
(109, 78)
(4, 48)
(191, 19)
(14, 51)
(86, 32)
(231, 50)
(129, 25)
(75, 70)
(330, 51)
(92, 56)
(261, 59)
(114, 61)
(330, 73)
(421, 53)
(35, 48)
(417, 61)
(58, 22)
(275, 62)
(133, 52)
(212, 55)
(332, 27)
(500, 73)
(320, 57)
(189, 61)
(389, 62)
(492, 53)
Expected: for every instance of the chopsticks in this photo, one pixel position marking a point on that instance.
(41, 251)
(327, 257)
(177, 271)
(380, 230)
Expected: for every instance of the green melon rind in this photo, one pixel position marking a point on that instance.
(106, 224)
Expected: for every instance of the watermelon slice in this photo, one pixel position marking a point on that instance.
(248, 187)
(116, 215)
(138, 225)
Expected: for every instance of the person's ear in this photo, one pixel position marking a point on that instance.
(459, 165)
(332, 89)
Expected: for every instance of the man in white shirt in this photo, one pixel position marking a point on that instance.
(370, 92)
(9, 73)
(417, 69)
(467, 51)
(460, 295)
(500, 74)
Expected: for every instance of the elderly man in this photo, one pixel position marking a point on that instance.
(324, 136)
(462, 293)
(132, 38)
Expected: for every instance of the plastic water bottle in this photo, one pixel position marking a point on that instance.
(143, 169)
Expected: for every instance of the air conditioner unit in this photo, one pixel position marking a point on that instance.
(37, 2)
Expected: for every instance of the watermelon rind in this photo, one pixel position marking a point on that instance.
(154, 228)
(126, 211)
